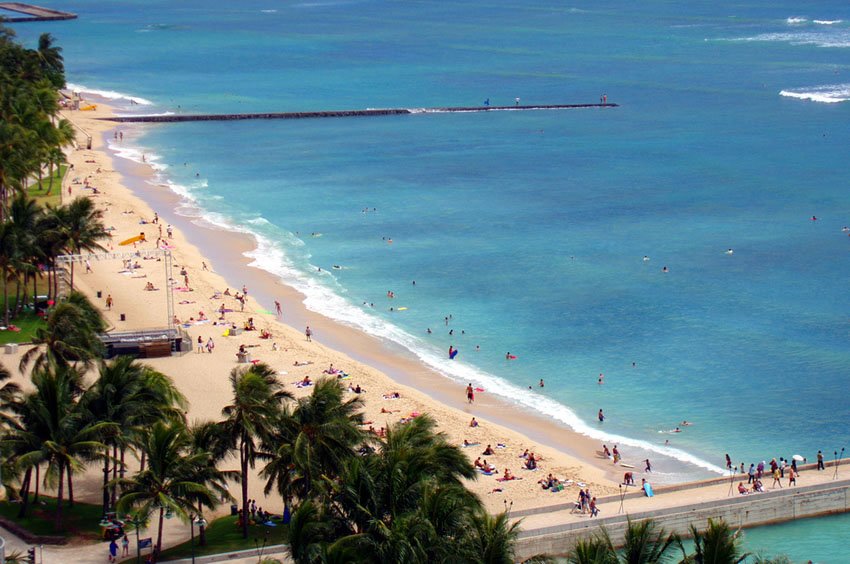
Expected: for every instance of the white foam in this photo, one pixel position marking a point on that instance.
(796, 20)
(827, 94)
(108, 94)
(827, 37)
(322, 299)
(827, 22)
(323, 294)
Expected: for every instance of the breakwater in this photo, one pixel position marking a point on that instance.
(34, 13)
(372, 112)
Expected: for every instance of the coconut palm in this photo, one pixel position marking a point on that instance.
(81, 228)
(170, 481)
(132, 396)
(313, 439)
(251, 418)
(718, 544)
(594, 550)
(54, 428)
(206, 437)
(69, 336)
(50, 60)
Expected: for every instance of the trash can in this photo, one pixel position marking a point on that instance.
(123, 317)
(234, 510)
(11, 348)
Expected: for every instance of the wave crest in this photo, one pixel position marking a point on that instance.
(826, 94)
(109, 94)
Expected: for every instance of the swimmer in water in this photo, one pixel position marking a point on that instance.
(729, 251)
(665, 269)
(599, 380)
(685, 423)
(645, 258)
(541, 383)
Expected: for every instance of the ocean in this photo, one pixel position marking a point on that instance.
(543, 234)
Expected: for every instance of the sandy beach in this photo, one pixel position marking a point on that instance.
(209, 263)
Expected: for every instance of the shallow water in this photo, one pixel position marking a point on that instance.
(530, 228)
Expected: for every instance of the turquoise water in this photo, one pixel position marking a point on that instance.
(530, 228)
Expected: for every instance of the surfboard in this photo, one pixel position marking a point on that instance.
(479, 389)
(624, 465)
(132, 240)
(401, 309)
(453, 354)
(647, 489)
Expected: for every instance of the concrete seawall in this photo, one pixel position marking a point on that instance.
(556, 532)
(345, 113)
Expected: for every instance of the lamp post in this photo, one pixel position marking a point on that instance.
(137, 522)
(200, 522)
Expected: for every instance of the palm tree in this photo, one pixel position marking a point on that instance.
(51, 421)
(50, 60)
(170, 481)
(313, 439)
(493, 538)
(205, 437)
(718, 544)
(81, 227)
(69, 336)
(250, 419)
(594, 550)
(643, 543)
(132, 396)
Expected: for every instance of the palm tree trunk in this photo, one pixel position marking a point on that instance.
(37, 482)
(34, 291)
(70, 487)
(5, 296)
(114, 496)
(243, 459)
(60, 492)
(159, 533)
(106, 481)
(143, 461)
(25, 493)
(123, 468)
(72, 276)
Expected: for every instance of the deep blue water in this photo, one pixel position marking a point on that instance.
(530, 228)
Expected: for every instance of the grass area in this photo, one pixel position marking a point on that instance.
(38, 190)
(224, 536)
(80, 521)
(28, 322)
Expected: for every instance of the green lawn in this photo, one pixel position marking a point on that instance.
(224, 536)
(28, 322)
(38, 190)
(81, 521)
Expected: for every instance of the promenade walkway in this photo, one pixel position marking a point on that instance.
(555, 530)
(33, 13)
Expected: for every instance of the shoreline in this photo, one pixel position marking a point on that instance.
(396, 361)
(566, 452)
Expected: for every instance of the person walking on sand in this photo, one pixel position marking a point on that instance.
(200, 344)
(648, 466)
(108, 301)
(210, 345)
(125, 546)
(278, 310)
(309, 334)
(470, 393)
